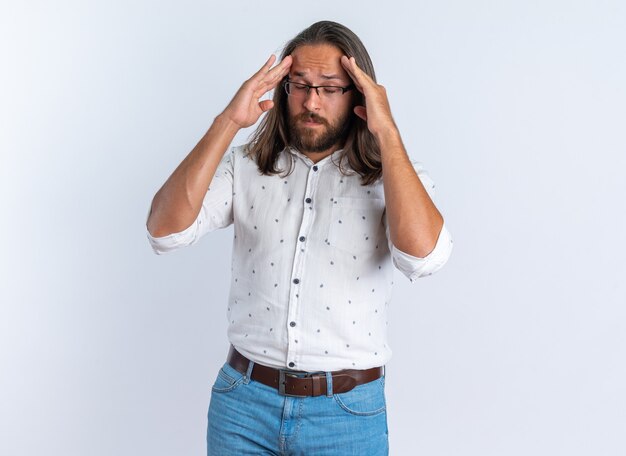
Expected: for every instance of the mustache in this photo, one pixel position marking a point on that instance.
(311, 116)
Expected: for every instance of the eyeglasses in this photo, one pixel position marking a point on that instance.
(300, 90)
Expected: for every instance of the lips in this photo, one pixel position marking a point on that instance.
(311, 121)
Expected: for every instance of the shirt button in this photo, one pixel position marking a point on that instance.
(308, 200)
(315, 168)
(302, 238)
(292, 324)
(291, 364)
(296, 280)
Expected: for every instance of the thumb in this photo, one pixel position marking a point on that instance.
(266, 105)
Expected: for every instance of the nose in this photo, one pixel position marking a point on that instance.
(312, 100)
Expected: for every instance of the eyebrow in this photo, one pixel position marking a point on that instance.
(302, 74)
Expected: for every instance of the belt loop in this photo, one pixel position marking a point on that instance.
(329, 384)
(248, 375)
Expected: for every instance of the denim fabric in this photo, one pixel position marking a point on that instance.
(249, 418)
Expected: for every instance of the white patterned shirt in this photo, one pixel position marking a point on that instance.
(312, 262)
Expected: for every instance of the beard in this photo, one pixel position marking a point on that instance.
(307, 139)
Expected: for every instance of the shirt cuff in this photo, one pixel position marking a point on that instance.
(172, 241)
(415, 267)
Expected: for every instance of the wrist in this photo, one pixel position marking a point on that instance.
(225, 123)
(388, 137)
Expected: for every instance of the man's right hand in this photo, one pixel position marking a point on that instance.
(177, 203)
(245, 108)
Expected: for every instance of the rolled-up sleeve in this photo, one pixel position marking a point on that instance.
(415, 267)
(216, 211)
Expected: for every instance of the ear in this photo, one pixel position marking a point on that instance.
(361, 112)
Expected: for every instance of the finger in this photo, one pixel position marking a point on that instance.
(287, 61)
(266, 86)
(275, 78)
(355, 78)
(280, 70)
(267, 79)
(347, 64)
(269, 63)
(360, 77)
(271, 81)
(265, 68)
(264, 89)
(356, 69)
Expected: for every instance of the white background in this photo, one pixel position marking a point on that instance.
(516, 109)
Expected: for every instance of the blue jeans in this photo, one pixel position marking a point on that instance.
(250, 418)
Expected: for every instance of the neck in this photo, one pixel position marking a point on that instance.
(317, 156)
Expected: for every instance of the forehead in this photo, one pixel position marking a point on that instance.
(318, 61)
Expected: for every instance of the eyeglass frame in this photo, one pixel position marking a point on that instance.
(309, 87)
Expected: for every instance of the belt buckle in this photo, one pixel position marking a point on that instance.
(281, 384)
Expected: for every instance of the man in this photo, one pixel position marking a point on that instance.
(324, 201)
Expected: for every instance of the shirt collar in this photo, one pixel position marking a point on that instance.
(308, 161)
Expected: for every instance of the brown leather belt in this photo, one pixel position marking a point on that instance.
(289, 383)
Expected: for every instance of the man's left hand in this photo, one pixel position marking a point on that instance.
(376, 112)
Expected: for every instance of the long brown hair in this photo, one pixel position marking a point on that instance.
(272, 135)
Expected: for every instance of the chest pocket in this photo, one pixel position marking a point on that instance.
(356, 224)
